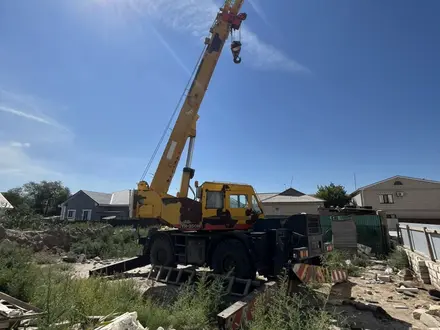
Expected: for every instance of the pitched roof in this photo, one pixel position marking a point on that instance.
(394, 178)
(288, 196)
(99, 197)
(4, 203)
(116, 198)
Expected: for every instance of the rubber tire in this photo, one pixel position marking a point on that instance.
(234, 249)
(162, 244)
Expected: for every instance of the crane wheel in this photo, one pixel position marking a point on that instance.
(231, 254)
(161, 252)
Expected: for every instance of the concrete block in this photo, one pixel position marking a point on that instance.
(434, 310)
(429, 320)
(418, 312)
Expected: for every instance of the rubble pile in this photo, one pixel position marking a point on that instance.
(56, 238)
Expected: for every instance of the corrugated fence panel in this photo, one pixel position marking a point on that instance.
(370, 231)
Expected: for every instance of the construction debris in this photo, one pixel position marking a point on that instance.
(429, 320)
(127, 321)
(14, 312)
(404, 289)
(418, 312)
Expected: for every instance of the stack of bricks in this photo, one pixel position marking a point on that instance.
(418, 264)
(434, 272)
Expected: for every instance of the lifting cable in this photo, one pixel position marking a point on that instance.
(147, 167)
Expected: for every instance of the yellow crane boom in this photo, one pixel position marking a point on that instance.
(185, 126)
(153, 201)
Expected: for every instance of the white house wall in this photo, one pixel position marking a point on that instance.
(358, 199)
(421, 200)
(290, 208)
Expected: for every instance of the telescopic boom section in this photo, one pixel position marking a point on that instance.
(227, 19)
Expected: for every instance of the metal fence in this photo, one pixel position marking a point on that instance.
(370, 231)
(422, 240)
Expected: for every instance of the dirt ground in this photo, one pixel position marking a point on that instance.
(350, 298)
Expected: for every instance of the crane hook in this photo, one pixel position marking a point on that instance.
(236, 49)
(237, 59)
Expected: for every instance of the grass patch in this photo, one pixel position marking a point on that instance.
(44, 258)
(279, 310)
(341, 260)
(17, 272)
(108, 242)
(398, 259)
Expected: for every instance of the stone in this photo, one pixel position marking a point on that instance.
(403, 289)
(81, 258)
(401, 307)
(418, 312)
(334, 327)
(384, 278)
(429, 320)
(368, 292)
(97, 259)
(409, 294)
(434, 310)
(69, 259)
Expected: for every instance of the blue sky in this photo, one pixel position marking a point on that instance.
(326, 89)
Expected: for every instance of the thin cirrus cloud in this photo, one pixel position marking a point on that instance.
(196, 17)
(28, 108)
(23, 114)
(17, 144)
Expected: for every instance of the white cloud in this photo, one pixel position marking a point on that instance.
(196, 17)
(17, 144)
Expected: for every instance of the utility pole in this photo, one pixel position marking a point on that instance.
(354, 177)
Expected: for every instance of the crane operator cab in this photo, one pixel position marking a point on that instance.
(216, 206)
(228, 206)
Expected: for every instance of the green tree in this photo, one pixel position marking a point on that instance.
(334, 195)
(42, 198)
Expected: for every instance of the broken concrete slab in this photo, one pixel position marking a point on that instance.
(384, 278)
(418, 312)
(429, 320)
(434, 310)
(400, 307)
(403, 289)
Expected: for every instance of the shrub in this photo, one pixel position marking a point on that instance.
(276, 309)
(108, 242)
(398, 259)
(197, 305)
(17, 273)
(74, 300)
(338, 259)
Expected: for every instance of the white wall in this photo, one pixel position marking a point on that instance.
(358, 199)
(421, 200)
(291, 208)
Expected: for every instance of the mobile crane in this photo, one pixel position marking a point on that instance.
(224, 225)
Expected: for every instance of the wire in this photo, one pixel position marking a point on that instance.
(147, 167)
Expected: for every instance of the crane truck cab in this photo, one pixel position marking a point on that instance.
(216, 206)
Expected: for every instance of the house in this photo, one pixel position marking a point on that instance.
(402, 197)
(92, 205)
(289, 202)
(4, 203)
